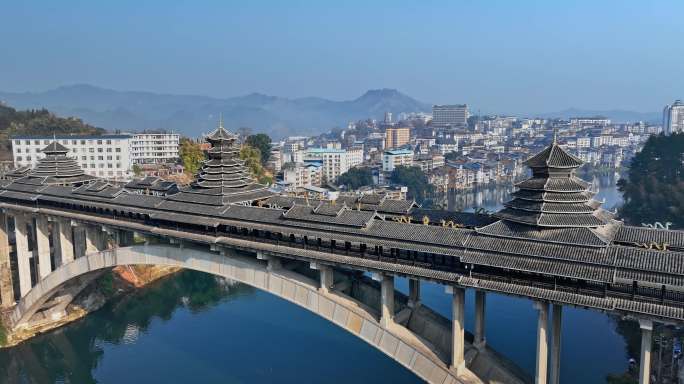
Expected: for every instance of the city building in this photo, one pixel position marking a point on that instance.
(450, 115)
(304, 174)
(397, 137)
(106, 156)
(673, 118)
(154, 148)
(333, 161)
(582, 122)
(396, 157)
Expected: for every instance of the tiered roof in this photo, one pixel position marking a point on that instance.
(56, 168)
(554, 204)
(223, 177)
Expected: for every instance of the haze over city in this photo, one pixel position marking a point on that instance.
(523, 57)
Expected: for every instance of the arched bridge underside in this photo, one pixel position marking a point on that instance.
(419, 339)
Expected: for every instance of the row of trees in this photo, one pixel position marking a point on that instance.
(654, 188)
(419, 187)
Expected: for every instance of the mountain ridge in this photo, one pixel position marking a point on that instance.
(194, 114)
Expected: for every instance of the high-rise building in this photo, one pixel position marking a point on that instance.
(673, 118)
(450, 115)
(333, 162)
(396, 137)
(388, 117)
(154, 148)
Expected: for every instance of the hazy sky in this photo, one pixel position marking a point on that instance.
(498, 56)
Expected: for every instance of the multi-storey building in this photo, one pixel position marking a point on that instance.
(304, 174)
(396, 137)
(333, 162)
(582, 122)
(450, 115)
(354, 157)
(396, 157)
(154, 148)
(106, 156)
(673, 118)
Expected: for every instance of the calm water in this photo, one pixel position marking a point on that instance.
(196, 328)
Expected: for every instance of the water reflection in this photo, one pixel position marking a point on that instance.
(71, 354)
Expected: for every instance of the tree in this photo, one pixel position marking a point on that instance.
(191, 155)
(262, 142)
(137, 171)
(654, 188)
(356, 178)
(252, 158)
(415, 179)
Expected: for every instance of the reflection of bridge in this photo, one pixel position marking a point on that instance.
(552, 243)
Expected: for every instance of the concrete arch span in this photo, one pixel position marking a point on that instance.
(422, 357)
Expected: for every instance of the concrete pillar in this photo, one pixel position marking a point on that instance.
(554, 374)
(414, 293)
(387, 300)
(646, 340)
(43, 246)
(93, 239)
(64, 246)
(480, 304)
(23, 255)
(327, 278)
(6, 287)
(457, 329)
(79, 241)
(542, 342)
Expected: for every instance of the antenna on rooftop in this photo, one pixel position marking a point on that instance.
(555, 135)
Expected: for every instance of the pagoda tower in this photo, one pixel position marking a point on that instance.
(56, 168)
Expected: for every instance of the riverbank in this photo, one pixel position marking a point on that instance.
(107, 286)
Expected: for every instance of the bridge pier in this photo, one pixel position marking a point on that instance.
(43, 246)
(93, 239)
(414, 293)
(646, 340)
(542, 342)
(554, 375)
(64, 246)
(480, 304)
(23, 255)
(386, 299)
(6, 287)
(79, 239)
(457, 328)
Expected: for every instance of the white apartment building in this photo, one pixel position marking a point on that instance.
(154, 148)
(450, 115)
(396, 157)
(333, 161)
(304, 174)
(354, 157)
(673, 118)
(106, 156)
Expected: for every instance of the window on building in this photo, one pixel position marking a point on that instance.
(99, 142)
(109, 142)
(18, 158)
(100, 157)
(118, 149)
(99, 150)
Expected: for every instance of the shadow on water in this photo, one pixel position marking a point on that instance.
(71, 354)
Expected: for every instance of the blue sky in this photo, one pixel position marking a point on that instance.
(498, 56)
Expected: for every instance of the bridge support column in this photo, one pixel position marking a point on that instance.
(79, 241)
(414, 293)
(43, 246)
(387, 300)
(480, 304)
(542, 342)
(23, 254)
(64, 245)
(646, 340)
(93, 239)
(554, 377)
(6, 287)
(457, 328)
(327, 278)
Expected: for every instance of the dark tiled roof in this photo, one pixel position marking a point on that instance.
(641, 235)
(553, 157)
(579, 236)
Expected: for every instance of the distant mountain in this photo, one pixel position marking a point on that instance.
(616, 115)
(193, 115)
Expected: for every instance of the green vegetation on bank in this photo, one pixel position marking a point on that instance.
(262, 142)
(356, 178)
(3, 335)
(415, 179)
(37, 122)
(654, 188)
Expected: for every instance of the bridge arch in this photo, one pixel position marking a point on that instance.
(394, 340)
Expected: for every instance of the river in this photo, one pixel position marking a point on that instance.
(195, 328)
